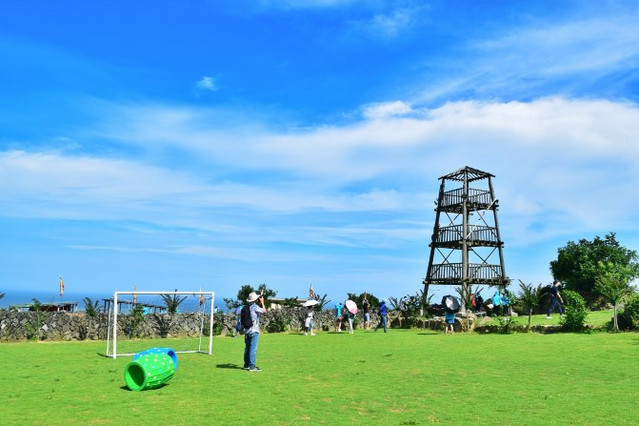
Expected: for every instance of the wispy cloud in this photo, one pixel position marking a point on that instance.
(391, 24)
(568, 58)
(206, 84)
(386, 109)
(545, 153)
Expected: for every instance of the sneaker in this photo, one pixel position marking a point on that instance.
(254, 369)
(548, 317)
(312, 334)
(305, 334)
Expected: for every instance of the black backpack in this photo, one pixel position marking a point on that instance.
(245, 317)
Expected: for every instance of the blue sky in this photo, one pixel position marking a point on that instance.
(194, 144)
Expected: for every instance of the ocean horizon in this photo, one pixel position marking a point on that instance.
(12, 298)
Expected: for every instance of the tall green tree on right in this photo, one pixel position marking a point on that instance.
(614, 285)
(579, 265)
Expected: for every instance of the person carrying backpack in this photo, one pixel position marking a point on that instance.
(250, 318)
(555, 299)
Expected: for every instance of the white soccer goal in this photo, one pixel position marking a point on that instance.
(138, 320)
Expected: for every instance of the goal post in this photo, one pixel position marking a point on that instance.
(138, 320)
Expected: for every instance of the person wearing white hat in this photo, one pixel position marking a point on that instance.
(252, 329)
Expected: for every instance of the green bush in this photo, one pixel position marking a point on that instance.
(506, 324)
(218, 324)
(38, 317)
(280, 320)
(134, 321)
(629, 317)
(575, 311)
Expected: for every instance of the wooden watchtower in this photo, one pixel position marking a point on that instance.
(466, 246)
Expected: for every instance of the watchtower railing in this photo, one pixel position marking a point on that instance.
(475, 196)
(455, 233)
(477, 272)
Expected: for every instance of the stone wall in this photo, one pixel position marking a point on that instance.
(15, 326)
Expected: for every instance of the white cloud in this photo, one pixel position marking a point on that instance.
(392, 24)
(389, 25)
(206, 83)
(386, 109)
(578, 46)
(561, 165)
(556, 58)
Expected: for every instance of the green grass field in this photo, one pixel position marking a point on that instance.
(595, 318)
(403, 377)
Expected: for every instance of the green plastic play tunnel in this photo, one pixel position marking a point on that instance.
(149, 371)
(169, 351)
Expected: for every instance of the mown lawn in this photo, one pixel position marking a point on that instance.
(595, 318)
(403, 377)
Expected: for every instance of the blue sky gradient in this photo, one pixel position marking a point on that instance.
(202, 144)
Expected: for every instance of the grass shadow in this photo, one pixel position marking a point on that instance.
(428, 333)
(126, 388)
(229, 366)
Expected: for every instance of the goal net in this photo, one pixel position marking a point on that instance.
(180, 320)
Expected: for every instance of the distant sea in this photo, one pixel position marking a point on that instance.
(19, 297)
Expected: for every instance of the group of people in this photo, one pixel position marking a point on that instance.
(345, 315)
(251, 313)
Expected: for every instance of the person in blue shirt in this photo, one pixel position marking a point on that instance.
(252, 334)
(383, 316)
(338, 316)
(450, 322)
(238, 321)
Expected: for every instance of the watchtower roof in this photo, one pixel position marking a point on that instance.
(467, 174)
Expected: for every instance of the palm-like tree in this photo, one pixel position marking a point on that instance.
(530, 297)
(424, 301)
(322, 301)
(173, 302)
(395, 309)
(90, 307)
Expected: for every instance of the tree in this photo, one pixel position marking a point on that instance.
(90, 307)
(322, 301)
(530, 298)
(406, 307)
(373, 301)
(243, 292)
(577, 264)
(246, 289)
(575, 311)
(232, 304)
(613, 284)
(173, 302)
(424, 302)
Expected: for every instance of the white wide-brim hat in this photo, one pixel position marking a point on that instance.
(252, 297)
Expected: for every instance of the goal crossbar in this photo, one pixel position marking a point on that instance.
(114, 319)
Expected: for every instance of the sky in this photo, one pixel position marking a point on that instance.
(209, 144)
